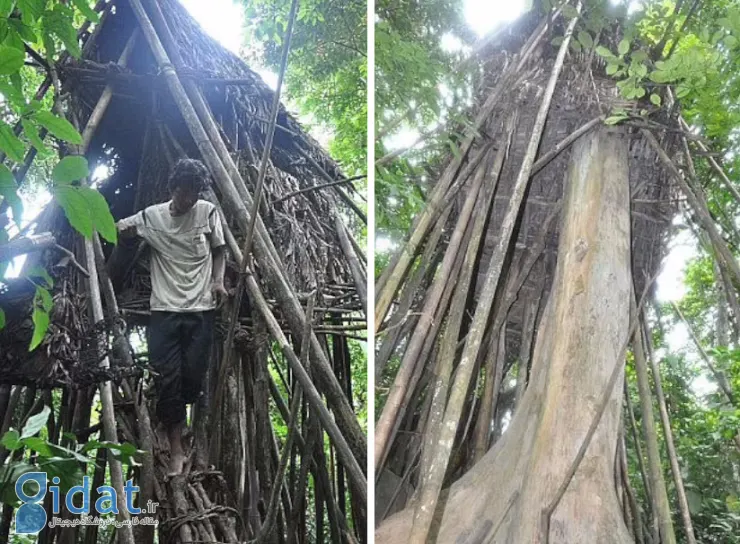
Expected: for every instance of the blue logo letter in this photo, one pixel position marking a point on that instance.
(30, 517)
(110, 497)
(85, 490)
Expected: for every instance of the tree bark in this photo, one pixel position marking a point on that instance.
(579, 342)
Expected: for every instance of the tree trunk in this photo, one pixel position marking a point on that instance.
(581, 339)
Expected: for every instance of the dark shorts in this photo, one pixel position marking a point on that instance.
(179, 351)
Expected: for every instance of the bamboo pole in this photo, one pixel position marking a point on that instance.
(264, 249)
(683, 503)
(106, 391)
(394, 409)
(698, 204)
(267, 527)
(253, 214)
(427, 504)
(495, 361)
(661, 505)
(718, 374)
(402, 321)
(358, 274)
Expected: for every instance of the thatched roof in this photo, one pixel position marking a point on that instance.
(583, 92)
(141, 134)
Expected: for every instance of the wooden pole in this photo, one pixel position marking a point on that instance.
(661, 505)
(264, 249)
(665, 420)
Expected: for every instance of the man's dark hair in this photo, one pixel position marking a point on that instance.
(189, 174)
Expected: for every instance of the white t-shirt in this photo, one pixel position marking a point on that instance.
(182, 257)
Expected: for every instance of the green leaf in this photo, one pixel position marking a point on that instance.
(576, 46)
(655, 99)
(11, 60)
(87, 210)
(75, 208)
(61, 128)
(44, 299)
(24, 31)
(86, 10)
(614, 119)
(10, 144)
(604, 52)
(639, 56)
(39, 445)
(101, 217)
(70, 168)
(624, 46)
(570, 12)
(585, 39)
(32, 133)
(611, 69)
(694, 500)
(8, 190)
(2, 319)
(11, 440)
(31, 10)
(6, 7)
(40, 326)
(36, 422)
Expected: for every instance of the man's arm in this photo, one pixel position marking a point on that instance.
(128, 227)
(218, 247)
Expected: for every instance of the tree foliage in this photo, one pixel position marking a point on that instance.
(34, 36)
(327, 69)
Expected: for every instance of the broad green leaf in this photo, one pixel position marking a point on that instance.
(611, 69)
(2, 319)
(86, 210)
(39, 445)
(11, 440)
(585, 39)
(70, 168)
(655, 99)
(24, 31)
(570, 12)
(40, 326)
(71, 453)
(32, 133)
(86, 10)
(10, 144)
(624, 47)
(604, 52)
(614, 119)
(31, 10)
(101, 217)
(75, 208)
(36, 422)
(6, 7)
(44, 299)
(8, 192)
(639, 56)
(11, 60)
(694, 500)
(576, 46)
(61, 128)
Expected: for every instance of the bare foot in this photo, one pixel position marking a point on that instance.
(177, 460)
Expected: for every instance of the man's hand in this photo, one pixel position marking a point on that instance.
(219, 292)
(125, 231)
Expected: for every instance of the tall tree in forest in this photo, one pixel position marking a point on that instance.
(498, 415)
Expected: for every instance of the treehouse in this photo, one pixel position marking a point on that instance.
(513, 302)
(152, 87)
